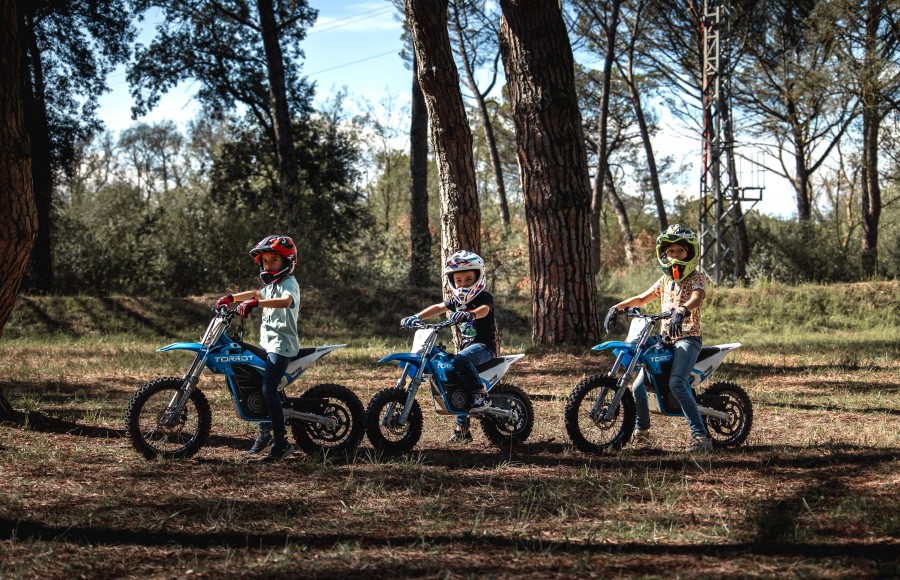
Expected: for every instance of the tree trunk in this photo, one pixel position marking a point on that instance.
(419, 234)
(281, 116)
(602, 123)
(801, 178)
(491, 141)
(648, 148)
(18, 214)
(871, 192)
(451, 138)
(38, 128)
(621, 217)
(553, 169)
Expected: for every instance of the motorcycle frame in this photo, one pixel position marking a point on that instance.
(425, 361)
(216, 341)
(636, 353)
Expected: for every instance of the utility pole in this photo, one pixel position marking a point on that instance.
(720, 193)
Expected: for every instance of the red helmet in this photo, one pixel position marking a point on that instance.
(284, 247)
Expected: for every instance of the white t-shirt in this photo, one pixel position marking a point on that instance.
(278, 332)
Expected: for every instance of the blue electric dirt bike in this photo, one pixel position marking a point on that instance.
(394, 418)
(600, 412)
(170, 417)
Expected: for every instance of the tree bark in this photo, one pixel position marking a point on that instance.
(18, 214)
(553, 169)
(871, 192)
(281, 116)
(419, 234)
(451, 138)
(38, 128)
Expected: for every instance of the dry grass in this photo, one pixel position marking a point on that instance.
(813, 493)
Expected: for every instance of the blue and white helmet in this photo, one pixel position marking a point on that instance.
(462, 261)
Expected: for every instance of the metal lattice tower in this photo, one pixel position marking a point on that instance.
(720, 192)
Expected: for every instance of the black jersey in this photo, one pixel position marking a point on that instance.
(481, 330)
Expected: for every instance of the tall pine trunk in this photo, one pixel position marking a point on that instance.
(38, 128)
(451, 138)
(18, 214)
(871, 192)
(419, 234)
(553, 169)
(278, 104)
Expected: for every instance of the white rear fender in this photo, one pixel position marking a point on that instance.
(495, 372)
(705, 367)
(307, 356)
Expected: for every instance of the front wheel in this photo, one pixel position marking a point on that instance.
(153, 434)
(587, 424)
(342, 439)
(382, 422)
(505, 432)
(731, 399)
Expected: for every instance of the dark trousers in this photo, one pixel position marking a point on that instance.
(275, 367)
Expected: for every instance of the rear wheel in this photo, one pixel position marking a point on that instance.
(344, 436)
(585, 415)
(506, 432)
(153, 434)
(382, 422)
(733, 400)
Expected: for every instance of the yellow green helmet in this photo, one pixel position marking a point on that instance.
(677, 270)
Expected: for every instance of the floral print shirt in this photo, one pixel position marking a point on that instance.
(674, 294)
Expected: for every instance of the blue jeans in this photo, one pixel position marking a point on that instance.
(465, 362)
(686, 350)
(275, 367)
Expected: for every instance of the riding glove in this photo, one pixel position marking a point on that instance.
(675, 323)
(409, 321)
(462, 316)
(610, 319)
(226, 300)
(246, 306)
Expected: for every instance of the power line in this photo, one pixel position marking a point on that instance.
(353, 19)
(351, 63)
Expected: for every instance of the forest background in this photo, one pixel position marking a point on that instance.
(158, 209)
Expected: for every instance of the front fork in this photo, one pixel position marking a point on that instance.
(170, 416)
(414, 382)
(621, 384)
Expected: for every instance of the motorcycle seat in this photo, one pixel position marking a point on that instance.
(489, 364)
(707, 351)
(261, 353)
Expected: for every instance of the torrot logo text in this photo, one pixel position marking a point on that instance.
(236, 358)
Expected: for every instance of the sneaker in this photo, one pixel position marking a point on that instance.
(481, 404)
(700, 444)
(278, 452)
(641, 435)
(263, 440)
(460, 436)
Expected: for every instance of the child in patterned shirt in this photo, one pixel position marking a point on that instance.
(681, 289)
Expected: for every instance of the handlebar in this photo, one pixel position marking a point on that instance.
(635, 312)
(419, 325)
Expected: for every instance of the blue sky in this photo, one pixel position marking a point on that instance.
(356, 44)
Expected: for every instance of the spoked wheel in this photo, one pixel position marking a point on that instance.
(585, 416)
(153, 433)
(382, 422)
(506, 432)
(339, 439)
(735, 402)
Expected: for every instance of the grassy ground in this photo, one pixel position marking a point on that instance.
(813, 492)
